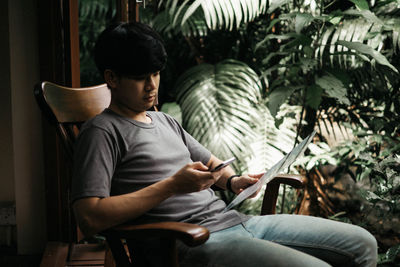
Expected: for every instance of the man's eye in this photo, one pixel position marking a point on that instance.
(137, 78)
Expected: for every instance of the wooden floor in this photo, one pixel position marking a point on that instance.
(10, 258)
(59, 254)
(20, 260)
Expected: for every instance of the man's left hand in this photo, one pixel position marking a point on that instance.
(240, 183)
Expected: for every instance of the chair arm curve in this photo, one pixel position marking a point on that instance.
(272, 190)
(293, 180)
(190, 234)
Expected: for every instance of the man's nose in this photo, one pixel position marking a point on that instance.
(151, 83)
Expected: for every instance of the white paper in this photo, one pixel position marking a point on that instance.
(273, 171)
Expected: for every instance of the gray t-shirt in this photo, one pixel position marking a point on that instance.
(115, 155)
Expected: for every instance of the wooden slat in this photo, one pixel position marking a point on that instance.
(85, 263)
(76, 104)
(55, 255)
(88, 252)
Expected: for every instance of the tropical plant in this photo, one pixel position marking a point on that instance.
(337, 61)
(93, 18)
(250, 71)
(221, 96)
(321, 56)
(373, 161)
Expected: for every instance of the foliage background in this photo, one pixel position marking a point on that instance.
(251, 78)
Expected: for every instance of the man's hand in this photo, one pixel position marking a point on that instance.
(240, 183)
(193, 177)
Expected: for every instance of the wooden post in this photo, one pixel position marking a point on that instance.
(122, 10)
(127, 10)
(59, 63)
(73, 49)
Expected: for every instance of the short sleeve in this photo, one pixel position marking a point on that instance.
(197, 151)
(95, 158)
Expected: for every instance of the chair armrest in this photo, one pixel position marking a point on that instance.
(190, 234)
(272, 190)
(293, 180)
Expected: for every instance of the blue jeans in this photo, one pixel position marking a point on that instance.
(284, 240)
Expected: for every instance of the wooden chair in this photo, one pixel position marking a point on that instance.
(66, 109)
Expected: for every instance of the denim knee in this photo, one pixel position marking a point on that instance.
(368, 250)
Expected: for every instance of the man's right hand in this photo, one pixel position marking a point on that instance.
(193, 177)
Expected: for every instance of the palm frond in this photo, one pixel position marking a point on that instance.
(223, 109)
(359, 30)
(195, 26)
(223, 14)
(219, 106)
(370, 94)
(354, 30)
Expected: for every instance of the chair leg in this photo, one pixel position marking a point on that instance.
(165, 251)
(137, 254)
(118, 252)
(108, 258)
(270, 197)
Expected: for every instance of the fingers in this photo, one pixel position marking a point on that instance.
(245, 181)
(203, 171)
(192, 177)
(250, 179)
(198, 165)
(257, 176)
(253, 180)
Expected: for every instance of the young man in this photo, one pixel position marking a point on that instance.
(140, 166)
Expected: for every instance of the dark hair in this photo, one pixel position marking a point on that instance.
(130, 48)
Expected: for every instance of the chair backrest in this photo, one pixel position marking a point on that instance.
(67, 108)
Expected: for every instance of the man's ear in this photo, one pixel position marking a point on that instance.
(111, 78)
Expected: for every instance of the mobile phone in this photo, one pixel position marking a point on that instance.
(223, 164)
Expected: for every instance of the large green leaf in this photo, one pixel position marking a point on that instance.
(367, 29)
(274, 4)
(361, 4)
(333, 87)
(313, 98)
(368, 15)
(222, 108)
(278, 97)
(367, 50)
(302, 20)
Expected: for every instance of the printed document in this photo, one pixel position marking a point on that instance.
(273, 171)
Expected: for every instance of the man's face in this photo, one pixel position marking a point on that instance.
(135, 93)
